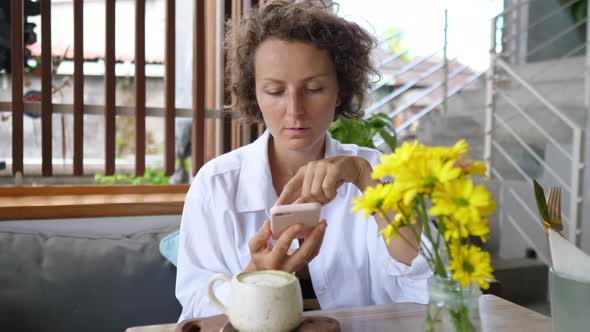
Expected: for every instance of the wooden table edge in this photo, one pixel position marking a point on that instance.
(485, 300)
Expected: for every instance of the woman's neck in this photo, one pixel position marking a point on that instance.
(284, 163)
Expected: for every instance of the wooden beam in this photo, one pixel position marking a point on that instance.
(140, 87)
(198, 125)
(78, 162)
(237, 7)
(110, 83)
(210, 77)
(46, 90)
(16, 49)
(169, 82)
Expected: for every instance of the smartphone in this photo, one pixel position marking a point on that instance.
(283, 216)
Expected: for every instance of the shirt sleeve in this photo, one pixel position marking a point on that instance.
(393, 281)
(205, 248)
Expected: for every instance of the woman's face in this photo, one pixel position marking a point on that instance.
(297, 92)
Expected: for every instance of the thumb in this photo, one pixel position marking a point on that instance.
(261, 237)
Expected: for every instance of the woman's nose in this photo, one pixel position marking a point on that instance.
(294, 103)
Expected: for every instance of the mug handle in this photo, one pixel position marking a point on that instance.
(211, 291)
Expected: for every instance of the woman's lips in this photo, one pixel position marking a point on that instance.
(297, 131)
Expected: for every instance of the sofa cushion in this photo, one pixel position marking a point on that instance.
(86, 275)
(169, 247)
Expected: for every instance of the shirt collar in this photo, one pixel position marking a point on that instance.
(333, 147)
(255, 189)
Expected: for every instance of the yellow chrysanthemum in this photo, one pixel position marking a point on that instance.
(393, 228)
(479, 228)
(449, 153)
(441, 178)
(376, 200)
(392, 163)
(470, 264)
(388, 232)
(455, 229)
(423, 176)
(473, 167)
(461, 200)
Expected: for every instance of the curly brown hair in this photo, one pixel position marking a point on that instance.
(348, 45)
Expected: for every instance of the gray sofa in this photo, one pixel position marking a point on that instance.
(103, 274)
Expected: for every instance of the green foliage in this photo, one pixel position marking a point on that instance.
(150, 176)
(541, 201)
(579, 10)
(395, 45)
(362, 131)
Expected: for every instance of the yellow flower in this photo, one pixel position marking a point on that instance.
(392, 229)
(470, 264)
(479, 228)
(441, 178)
(392, 163)
(375, 199)
(444, 172)
(455, 229)
(449, 153)
(473, 167)
(462, 201)
(388, 232)
(423, 176)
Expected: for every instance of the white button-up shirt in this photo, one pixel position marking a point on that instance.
(230, 199)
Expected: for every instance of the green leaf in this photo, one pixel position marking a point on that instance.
(390, 140)
(376, 122)
(362, 131)
(541, 201)
(387, 120)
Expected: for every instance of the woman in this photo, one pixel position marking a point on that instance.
(297, 67)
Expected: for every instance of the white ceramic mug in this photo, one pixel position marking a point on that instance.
(261, 301)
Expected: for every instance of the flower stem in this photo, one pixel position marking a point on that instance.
(430, 258)
(421, 212)
(422, 249)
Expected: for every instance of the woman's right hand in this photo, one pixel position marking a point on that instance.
(267, 257)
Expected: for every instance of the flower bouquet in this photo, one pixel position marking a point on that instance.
(433, 198)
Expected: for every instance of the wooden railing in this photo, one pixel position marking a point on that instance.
(18, 203)
(204, 87)
(16, 40)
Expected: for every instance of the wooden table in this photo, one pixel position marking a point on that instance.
(496, 315)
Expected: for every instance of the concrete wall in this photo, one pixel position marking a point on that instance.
(549, 28)
(532, 35)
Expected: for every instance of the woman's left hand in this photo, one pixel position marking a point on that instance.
(318, 180)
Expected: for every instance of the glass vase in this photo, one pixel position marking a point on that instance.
(452, 308)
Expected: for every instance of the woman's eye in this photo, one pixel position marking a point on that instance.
(314, 90)
(274, 92)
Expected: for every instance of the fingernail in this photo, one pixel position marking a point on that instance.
(323, 226)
